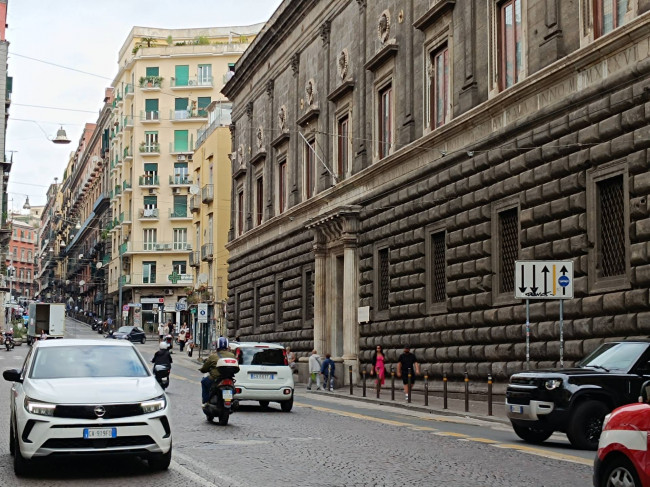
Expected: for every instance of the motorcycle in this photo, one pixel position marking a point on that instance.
(162, 375)
(96, 324)
(222, 402)
(9, 341)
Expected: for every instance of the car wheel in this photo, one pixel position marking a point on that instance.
(585, 424)
(264, 404)
(21, 464)
(223, 418)
(286, 406)
(532, 434)
(161, 461)
(619, 472)
(144, 339)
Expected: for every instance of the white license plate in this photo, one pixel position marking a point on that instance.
(262, 376)
(94, 433)
(516, 409)
(227, 395)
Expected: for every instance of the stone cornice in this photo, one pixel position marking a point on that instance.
(311, 114)
(434, 13)
(386, 52)
(341, 91)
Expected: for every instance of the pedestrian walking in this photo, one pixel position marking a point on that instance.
(327, 369)
(379, 366)
(314, 370)
(161, 331)
(407, 363)
(291, 361)
(182, 336)
(190, 344)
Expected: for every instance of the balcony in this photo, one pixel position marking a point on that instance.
(128, 122)
(195, 203)
(126, 186)
(128, 155)
(124, 248)
(188, 116)
(207, 193)
(128, 90)
(148, 181)
(149, 149)
(192, 83)
(152, 116)
(150, 83)
(180, 180)
(159, 280)
(207, 252)
(149, 214)
(149, 247)
(125, 280)
(195, 261)
(179, 214)
(125, 218)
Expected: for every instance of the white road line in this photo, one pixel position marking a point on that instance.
(186, 472)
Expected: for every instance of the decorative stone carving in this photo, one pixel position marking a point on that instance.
(269, 88)
(295, 64)
(362, 4)
(240, 154)
(310, 91)
(343, 64)
(282, 117)
(249, 109)
(325, 30)
(383, 26)
(260, 137)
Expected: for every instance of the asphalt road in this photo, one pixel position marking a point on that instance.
(323, 441)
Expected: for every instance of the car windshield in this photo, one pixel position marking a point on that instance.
(87, 361)
(125, 329)
(620, 356)
(261, 356)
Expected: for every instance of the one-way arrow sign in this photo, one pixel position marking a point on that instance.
(535, 279)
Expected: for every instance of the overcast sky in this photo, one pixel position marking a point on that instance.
(84, 35)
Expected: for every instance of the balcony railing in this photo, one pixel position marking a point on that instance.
(207, 193)
(148, 181)
(124, 248)
(195, 203)
(195, 260)
(150, 82)
(128, 90)
(192, 115)
(172, 247)
(150, 116)
(128, 122)
(150, 148)
(127, 153)
(179, 213)
(207, 251)
(149, 213)
(203, 81)
(126, 185)
(180, 180)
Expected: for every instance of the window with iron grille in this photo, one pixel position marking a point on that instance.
(384, 279)
(279, 302)
(308, 297)
(438, 267)
(611, 227)
(256, 307)
(508, 249)
(237, 309)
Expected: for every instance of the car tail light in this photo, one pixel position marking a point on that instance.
(286, 392)
(238, 390)
(226, 382)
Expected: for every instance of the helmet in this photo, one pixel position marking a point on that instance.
(164, 345)
(222, 343)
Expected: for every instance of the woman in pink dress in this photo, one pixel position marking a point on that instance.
(379, 365)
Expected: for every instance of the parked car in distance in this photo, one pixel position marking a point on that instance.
(576, 400)
(131, 333)
(623, 458)
(87, 397)
(264, 374)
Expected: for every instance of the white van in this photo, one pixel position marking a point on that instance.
(264, 374)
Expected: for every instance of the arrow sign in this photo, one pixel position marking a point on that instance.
(533, 288)
(523, 279)
(545, 271)
(536, 279)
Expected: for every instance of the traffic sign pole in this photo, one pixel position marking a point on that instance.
(562, 333)
(528, 334)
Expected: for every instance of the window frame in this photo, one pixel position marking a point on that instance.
(498, 297)
(241, 214)
(380, 314)
(259, 198)
(307, 319)
(343, 145)
(433, 85)
(502, 48)
(279, 302)
(309, 167)
(149, 264)
(382, 128)
(282, 184)
(434, 307)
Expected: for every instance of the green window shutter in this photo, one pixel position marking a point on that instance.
(150, 167)
(180, 140)
(151, 105)
(180, 205)
(152, 71)
(180, 104)
(10, 84)
(203, 102)
(151, 200)
(182, 74)
(180, 165)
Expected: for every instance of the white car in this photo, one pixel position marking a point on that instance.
(264, 374)
(87, 397)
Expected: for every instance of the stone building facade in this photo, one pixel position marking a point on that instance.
(393, 159)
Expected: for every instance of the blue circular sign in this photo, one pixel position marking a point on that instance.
(563, 281)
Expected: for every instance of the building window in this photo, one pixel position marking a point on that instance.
(439, 88)
(511, 45)
(29, 255)
(282, 185)
(256, 307)
(179, 267)
(508, 249)
(150, 174)
(181, 108)
(240, 212)
(180, 206)
(259, 200)
(279, 303)
(608, 15)
(180, 238)
(150, 202)
(181, 173)
(151, 109)
(384, 279)
(150, 142)
(181, 75)
(436, 268)
(237, 309)
(310, 167)
(385, 121)
(181, 143)
(308, 297)
(204, 74)
(202, 105)
(343, 149)
(611, 227)
(149, 272)
(150, 238)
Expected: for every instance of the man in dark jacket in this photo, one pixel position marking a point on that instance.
(210, 366)
(327, 369)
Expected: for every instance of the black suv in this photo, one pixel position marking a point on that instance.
(575, 401)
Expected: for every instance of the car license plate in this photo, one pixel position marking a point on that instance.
(101, 433)
(227, 395)
(262, 376)
(516, 409)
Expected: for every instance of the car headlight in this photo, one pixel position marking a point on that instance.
(153, 405)
(551, 384)
(38, 407)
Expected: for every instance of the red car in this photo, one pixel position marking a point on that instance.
(623, 450)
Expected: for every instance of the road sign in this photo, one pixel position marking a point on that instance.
(125, 308)
(203, 313)
(540, 279)
(181, 306)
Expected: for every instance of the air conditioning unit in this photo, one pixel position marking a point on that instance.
(151, 191)
(189, 157)
(177, 190)
(181, 158)
(169, 292)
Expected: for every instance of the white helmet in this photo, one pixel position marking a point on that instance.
(164, 345)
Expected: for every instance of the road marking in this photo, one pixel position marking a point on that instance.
(450, 433)
(187, 460)
(422, 428)
(178, 377)
(546, 453)
(481, 440)
(354, 415)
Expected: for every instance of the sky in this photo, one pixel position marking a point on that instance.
(86, 36)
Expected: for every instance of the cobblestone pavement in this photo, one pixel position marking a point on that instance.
(323, 441)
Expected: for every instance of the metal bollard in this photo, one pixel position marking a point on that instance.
(409, 386)
(444, 391)
(466, 393)
(392, 382)
(351, 383)
(489, 395)
(364, 382)
(426, 388)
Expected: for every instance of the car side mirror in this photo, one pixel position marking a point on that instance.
(12, 375)
(645, 392)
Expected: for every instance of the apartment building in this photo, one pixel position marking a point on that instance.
(21, 257)
(166, 81)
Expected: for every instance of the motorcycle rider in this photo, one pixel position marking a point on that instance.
(210, 366)
(162, 356)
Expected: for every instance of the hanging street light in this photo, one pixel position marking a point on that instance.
(61, 137)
